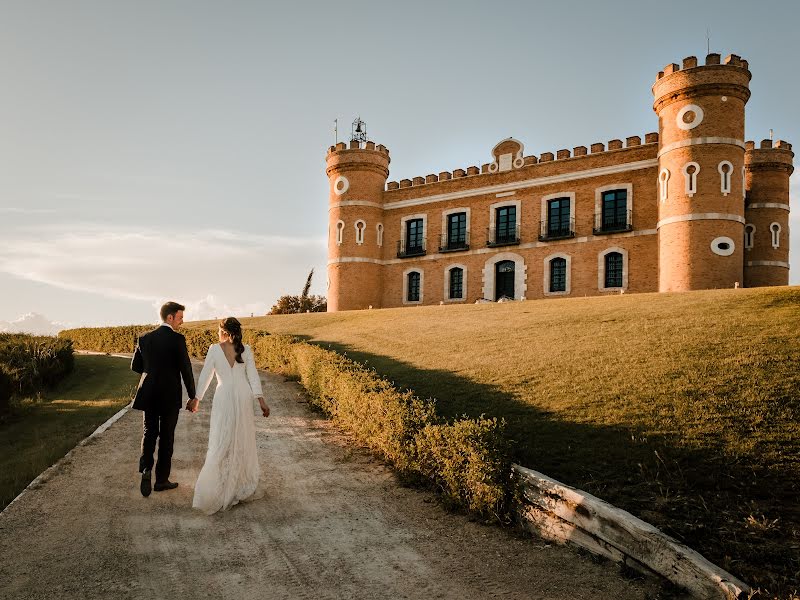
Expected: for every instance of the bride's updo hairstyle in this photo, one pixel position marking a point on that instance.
(234, 329)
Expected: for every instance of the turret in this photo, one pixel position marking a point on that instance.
(701, 184)
(357, 174)
(766, 241)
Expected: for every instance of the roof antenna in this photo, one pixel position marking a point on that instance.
(770, 134)
(708, 40)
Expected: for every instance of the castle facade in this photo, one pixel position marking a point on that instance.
(691, 207)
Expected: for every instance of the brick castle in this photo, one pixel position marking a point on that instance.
(692, 207)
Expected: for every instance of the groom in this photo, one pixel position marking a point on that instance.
(162, 359)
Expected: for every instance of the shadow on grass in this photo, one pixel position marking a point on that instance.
(741, 516)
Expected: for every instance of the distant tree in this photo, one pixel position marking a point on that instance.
(287, 305)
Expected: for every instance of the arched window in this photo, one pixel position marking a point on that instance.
(339, 232)
(613, 271)
(690, 171)
(663, 184)
(456, 288)
(558, 275)
(749, 236)
(775, 230)
(725, 169)
(413, 281)
(360, 226)
(379, 229)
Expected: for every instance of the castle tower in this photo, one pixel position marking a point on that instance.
(766, 254)
(701, 184)
(357, 174)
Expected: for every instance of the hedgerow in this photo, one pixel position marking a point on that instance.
(34, 363)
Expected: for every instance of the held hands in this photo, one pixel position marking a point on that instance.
(264, 407)
(193, 405)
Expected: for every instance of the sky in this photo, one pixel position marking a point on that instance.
(156, 150)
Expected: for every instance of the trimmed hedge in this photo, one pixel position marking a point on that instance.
(34, 363)
(468, 461)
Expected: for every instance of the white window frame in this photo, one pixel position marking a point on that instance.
(520, 275)
(663, 185)
(421, 285)
(379, 234)
(749, 236)
(451, 211)
(775, 230)
(744, 182)
(546, 278)
(725, 186)
(360, 230)
(446, 295)
(545, 214)
(691, 180)
(598, 196)
(403, 220)
(339, 232)
(601, 269)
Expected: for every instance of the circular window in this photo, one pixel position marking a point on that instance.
(723, 246)
(689, 117)
(340, 185)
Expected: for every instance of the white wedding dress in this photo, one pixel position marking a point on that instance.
(230, 473)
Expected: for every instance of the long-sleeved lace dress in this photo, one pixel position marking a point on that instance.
(231, 471)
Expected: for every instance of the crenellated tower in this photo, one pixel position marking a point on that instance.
(766, 240)
(701, 173)
(357, 175)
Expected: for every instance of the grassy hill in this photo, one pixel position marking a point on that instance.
(682, 408)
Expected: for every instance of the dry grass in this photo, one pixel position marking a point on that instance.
(682, 408)
(45, 429)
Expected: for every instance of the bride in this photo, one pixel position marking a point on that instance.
(230, 473)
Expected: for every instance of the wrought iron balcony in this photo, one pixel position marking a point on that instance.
(612, 223)
(501, 237)
(558, 230)
(449, 244)
(414, 248)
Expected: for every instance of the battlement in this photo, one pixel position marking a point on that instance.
(769, 156)
(354, 145)
(690, 62)
(563, 154)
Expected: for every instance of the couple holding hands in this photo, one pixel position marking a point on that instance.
(231, 472)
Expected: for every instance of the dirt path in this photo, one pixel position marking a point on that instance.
(332, 523)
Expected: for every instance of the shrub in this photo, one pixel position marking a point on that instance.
(35, 363)
(6, 388)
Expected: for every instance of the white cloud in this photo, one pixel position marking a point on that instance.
(32, 323)
(213, 272)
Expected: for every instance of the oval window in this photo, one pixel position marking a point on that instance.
(723, 246)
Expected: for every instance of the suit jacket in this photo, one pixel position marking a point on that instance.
(162, 359)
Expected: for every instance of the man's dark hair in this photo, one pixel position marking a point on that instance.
(170, 308)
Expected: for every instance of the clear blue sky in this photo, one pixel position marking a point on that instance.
(153, 150)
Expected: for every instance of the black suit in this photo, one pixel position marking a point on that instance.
(162, 359)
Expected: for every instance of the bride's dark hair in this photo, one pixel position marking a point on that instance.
(234, 328)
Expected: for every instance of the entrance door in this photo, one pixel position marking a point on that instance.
(504, 279)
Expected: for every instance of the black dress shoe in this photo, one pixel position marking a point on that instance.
(145, 485)
(167, 485)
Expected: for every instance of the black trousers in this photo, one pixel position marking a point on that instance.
(158, 426)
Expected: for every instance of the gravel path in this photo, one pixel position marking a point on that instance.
(332, 522)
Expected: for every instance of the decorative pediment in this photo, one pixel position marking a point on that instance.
(507, 155)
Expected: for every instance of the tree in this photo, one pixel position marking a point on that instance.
(288, 305)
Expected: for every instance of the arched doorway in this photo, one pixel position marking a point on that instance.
(504, 279)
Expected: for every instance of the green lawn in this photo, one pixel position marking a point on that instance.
(682, 408)
(44, 430)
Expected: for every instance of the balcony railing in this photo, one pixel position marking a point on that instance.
(556, 231)
(454, 244)
(612, 223)
(504, 237)
(414, 248)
